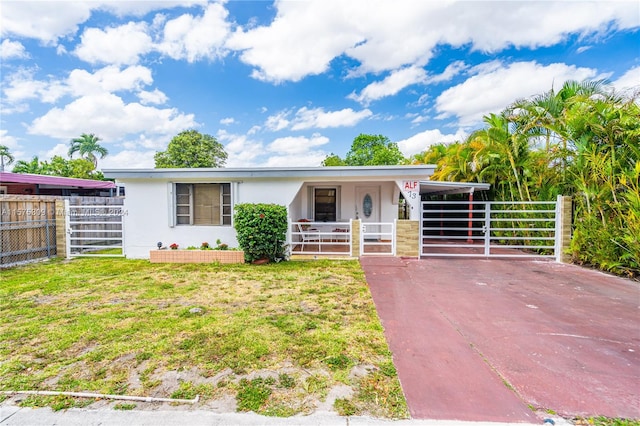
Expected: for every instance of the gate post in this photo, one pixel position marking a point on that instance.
(60, 208)
(407, 238)
(487, 228)
(355, 237)
(564, 219)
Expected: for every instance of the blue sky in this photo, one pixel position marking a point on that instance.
(286, 83)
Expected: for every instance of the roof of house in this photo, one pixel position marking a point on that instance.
(54, 181)
(399, 172)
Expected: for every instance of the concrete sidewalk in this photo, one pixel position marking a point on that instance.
(16, 416)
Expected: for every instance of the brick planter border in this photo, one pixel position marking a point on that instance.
(196, 256)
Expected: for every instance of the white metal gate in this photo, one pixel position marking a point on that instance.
(95, 230)
(489, 229)
(377, 238)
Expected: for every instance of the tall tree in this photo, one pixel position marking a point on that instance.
(333, 160)
(191, 149)
(32, 166)
(87, 146)
(369, 150)
(5, 157)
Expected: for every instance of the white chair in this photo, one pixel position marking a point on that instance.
(310, 235)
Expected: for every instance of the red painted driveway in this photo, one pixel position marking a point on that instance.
(477, 339)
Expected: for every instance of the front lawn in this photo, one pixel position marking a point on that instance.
(278, 339)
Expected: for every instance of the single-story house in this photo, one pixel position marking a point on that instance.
(30, 184)
(332, 210)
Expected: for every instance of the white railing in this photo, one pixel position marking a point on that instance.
(377, 239)
(96, 230)
(326, 238)
(484, 229)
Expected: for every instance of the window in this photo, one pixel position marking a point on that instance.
(203, 204)
(325, 204)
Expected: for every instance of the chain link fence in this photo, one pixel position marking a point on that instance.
(27, 230)
(26, 241)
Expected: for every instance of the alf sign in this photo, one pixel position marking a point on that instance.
(411, 192)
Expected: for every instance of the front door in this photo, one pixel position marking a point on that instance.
(368, 205)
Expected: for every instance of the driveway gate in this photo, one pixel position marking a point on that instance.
(489, 229)
(95, 230)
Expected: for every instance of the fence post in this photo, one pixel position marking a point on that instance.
(487, 228)
(355, 238)
(61, 227)
(407, 238)
(564, 221)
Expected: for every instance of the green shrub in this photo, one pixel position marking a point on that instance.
(261, 230)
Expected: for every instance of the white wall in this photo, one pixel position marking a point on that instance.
(149, 211)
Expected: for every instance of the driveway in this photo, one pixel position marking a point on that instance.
(488, 340)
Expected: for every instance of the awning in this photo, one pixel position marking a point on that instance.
(432, 187)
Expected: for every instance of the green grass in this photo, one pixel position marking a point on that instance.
(119, 326)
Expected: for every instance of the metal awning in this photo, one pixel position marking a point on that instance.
(431, 187)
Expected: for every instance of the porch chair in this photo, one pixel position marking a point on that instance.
(310, 235)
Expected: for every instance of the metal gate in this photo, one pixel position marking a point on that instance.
(489, 229)
(95, 230)
(377, 239)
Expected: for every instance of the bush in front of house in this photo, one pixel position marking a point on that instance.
(261, 230)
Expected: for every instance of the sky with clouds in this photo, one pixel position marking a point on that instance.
(286, 83)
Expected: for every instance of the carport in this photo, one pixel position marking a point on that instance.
(454, 222)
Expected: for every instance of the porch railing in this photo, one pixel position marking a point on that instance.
(326, 238)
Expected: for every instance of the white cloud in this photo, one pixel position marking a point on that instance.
(241, 151)
(629, 80)
(495, 86)
(7, 140)
(156, 97)
(128, 159)
(423, 140)
(227, 121)
(115, 45)
(381, 35)
(451, 71)
(60, 149)
(319, 119)
(309, 159)
(107, 115)
(109, 79)
(12, 50)
(277, 121)
(33, 19)
(391, 85)
(302, 40)
(22, 86)
(196, 37)
(297, 144)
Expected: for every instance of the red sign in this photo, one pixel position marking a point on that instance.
(410, 185)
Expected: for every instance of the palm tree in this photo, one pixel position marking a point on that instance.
(5, 157)
(32, 166)
(87, 146)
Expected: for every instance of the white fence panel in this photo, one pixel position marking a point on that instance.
(95, 230)
(489, 229)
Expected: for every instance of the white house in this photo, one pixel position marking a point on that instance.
(344, 205)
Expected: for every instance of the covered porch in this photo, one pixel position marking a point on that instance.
(357, 218)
